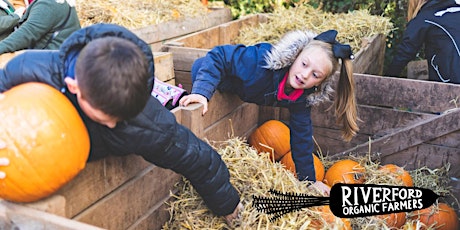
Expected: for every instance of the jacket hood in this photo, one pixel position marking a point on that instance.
(77, 40)
(284, 53)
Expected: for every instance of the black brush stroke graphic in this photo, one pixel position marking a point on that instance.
(348, 197)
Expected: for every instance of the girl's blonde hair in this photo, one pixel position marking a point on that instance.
(414, 7)
(345, 102)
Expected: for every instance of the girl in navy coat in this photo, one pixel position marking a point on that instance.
(294, 73)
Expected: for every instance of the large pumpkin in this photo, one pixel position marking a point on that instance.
(273, 136)
(288, 163)
(345, 171)
(439, 217)
(46, 142)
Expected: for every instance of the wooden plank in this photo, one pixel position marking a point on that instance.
(219, 106)
(164, 68)
(417, 70)
(183, 57)
(98, 179)
(123, 207)
(432, 156)
(155, 217)
(173, 29)
(14, 216)
(369, 59)
(415, 95)
(184, 78)
(54, 204)
(192, 118)
(235, 124)
(330, 140)
(410, 136)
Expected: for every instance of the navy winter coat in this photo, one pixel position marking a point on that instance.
(437, 27)
(154, 133)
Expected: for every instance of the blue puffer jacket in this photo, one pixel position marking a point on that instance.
(435, 26)
(154, 133)
(254, 73)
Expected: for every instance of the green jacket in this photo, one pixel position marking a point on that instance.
(8, 19)
(42, 19)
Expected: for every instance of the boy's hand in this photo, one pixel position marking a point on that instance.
(195, 98)
(235, 216)
(320, 186)
(3, 160)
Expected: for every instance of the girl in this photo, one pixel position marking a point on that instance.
(433, 23)
(295, 73)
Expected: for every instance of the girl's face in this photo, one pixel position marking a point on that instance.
(311, 67)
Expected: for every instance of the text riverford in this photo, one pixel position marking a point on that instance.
(350, 200)
(380, 199)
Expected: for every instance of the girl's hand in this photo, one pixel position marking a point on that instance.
(3, 161)
(235, 216)
(194, 98)
(320, 186)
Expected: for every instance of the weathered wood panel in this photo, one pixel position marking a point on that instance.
(14, 216)
(156, 35)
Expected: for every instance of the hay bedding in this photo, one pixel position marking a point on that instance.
(352, 27)
(135, 14)
(254, 175)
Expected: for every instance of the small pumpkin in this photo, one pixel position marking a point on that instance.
(440, 217)
(402, 176)
(273, 137)
(345, 171)
(288, 163)
(46, 142)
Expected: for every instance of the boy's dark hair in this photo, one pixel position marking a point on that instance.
(112, 74)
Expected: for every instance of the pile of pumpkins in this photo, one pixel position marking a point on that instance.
(273, 137)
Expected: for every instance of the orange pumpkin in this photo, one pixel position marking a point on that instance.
(440, 217)
(46, 142)
(394, 220)
(288, 163)
(328, 220)
(273, 137)
(345, 171)
(402, 176)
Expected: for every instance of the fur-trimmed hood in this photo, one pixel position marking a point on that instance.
(284, 53)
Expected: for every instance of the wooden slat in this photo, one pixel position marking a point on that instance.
(14, 216)
(237, 124)
(185, 79)
(164, 68)
(123, 207)
(183, 57)
(220, 105)
(432, 156)
(173, 29)
(410, 136)
(415, 95)
(369, 59)
(98, 179)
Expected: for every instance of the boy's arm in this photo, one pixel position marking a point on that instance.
(31, 66)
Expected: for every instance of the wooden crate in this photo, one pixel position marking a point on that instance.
(369, 59)
(156, 35)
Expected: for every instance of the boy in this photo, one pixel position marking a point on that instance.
(107, 72)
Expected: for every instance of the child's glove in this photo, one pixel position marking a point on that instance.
(168, 95)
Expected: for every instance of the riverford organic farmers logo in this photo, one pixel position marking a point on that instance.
(350, 200)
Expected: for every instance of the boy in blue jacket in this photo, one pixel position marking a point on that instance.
(294, 73)
(107, 72)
